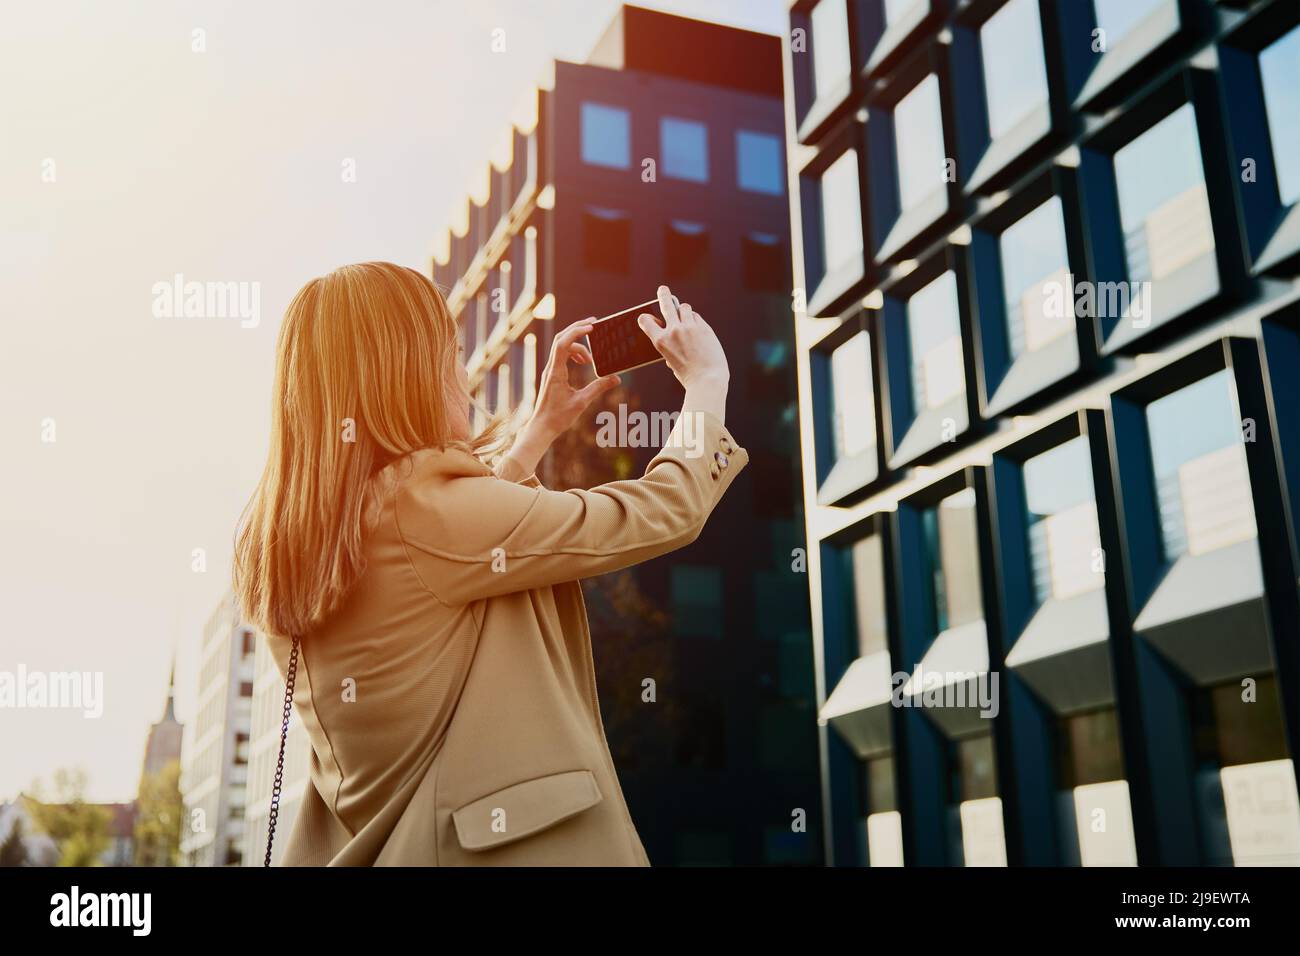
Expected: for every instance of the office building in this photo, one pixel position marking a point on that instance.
(214, 753)
(263, 758)
(1050, 414)
(661, 160)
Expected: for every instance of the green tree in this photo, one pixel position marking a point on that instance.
(158, 817)
(79, 829)
(12, 851)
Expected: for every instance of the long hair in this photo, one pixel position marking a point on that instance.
(365, 367)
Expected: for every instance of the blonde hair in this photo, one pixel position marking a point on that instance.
(365, 366)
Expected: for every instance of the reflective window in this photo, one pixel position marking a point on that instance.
(934, 331)
(758, 162)
(1095, 792)
(697, 599)
(918, 135)
(1118, 18)
(851, 399)
(1064, 542)
(1279, 70)
(686, 248)
(606, 136)
(1199, 463)
(952, 552)
(684, 145)
(841, 209)
(830, 46)
(983, 839)
(1162, 200)
(606, 239)
(764, 263)
(1015, 75)
(1036, 279)
(868, 560)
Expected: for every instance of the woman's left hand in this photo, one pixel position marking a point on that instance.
(559, 401)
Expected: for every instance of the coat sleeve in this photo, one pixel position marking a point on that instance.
(471, 537)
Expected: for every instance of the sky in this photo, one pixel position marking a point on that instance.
(225, 142)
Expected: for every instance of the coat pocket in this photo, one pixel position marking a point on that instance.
(524, 808)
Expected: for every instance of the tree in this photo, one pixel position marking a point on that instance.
(79, 829)
(158, 817)
(12, 851)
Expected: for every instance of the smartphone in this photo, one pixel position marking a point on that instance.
(617, 342)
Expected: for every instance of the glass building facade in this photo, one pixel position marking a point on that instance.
(1047, 287)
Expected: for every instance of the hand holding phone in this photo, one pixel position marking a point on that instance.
(618, 344)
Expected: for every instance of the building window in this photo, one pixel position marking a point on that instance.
(852, 408)
(1036, 280)
(979, 808)
(702, 741)
(606, 136)
(763, 262)
(686, 248)
(1118, 18)
(952, 554)
(1015, 74)
(606, 239)
(1094, 792)
(1164, 207)
(1241, 750)
(918, 138)
(1064, 541)
(841, 212)
(830, 46)
(1199, 464)
(758, 162)
(867, 559)
(684, 149)
(697, 600)
(1279, 71)
(934, 330)
(884, 824)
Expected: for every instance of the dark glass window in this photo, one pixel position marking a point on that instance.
(852, 408)
(686, 249)
(918, 141)
(841, 212)
(606, 239)
(867, 560)
(697, 600)
(763, 263)
(934, 332)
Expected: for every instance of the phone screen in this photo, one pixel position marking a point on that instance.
(618, 344)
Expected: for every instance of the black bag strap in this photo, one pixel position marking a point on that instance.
(284, 734)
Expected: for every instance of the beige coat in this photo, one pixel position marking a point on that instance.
(475, 737)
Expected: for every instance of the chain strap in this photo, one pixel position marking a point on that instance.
(290, 677)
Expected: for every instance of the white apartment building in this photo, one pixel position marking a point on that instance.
(264, 750)
(214, 754)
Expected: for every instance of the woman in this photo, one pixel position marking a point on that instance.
(444, 670)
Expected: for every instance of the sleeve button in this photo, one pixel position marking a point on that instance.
(721, 459)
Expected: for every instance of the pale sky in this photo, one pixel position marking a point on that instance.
(127, 158)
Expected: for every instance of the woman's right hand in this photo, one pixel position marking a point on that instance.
(686, 342)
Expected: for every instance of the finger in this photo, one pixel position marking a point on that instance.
(580, 353)
(651, 327)
(667, 306)
(685, 313)
(598, 387)
(571, 334)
